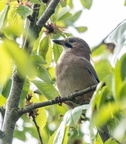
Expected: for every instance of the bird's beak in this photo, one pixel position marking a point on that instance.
(60, 42)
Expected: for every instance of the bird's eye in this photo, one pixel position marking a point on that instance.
(72, 40)
(68, 45)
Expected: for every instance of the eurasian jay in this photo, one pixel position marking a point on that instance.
(74, 71)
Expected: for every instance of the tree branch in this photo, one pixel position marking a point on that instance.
(48, 12)
(55, 101)
(12, 103)
(11, 115)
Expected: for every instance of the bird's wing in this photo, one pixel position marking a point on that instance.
(90, 69)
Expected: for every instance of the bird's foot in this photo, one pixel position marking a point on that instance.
(58, 98)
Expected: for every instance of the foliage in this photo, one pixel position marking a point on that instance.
(108, 103)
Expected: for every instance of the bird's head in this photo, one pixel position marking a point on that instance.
(75, 45)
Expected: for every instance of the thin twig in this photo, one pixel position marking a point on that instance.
(55, 101)
(48, 12)
(38, 130)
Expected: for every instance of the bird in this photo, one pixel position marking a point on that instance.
(74, 70)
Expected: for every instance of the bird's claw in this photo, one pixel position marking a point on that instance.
(58, 98)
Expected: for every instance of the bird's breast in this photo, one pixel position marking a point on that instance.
(70, 75)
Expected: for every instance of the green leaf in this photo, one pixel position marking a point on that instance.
(3, 16)
(119, 78)
(60, 134)
(57, 50)
(63, 14)
(5, 65)
(20, 57)
(41, 118)
(70, 3)
(44, 46)
(111, 141)
(98, 99)
(66, 136)
(43, 74)
(81, 29)
(37, 59)
(52, 138)
(98, 139)
(86, 3)
(6, 88)
(2, 100)
(24, 93)
(73, 18)
(106, 112)
(42, 8)
(100, 67)
(72, 117)
(24, 11)
(13, 30)
(35, 1)
(125, 3)
(48, 90)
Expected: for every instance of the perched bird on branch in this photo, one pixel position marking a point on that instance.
(74, 71)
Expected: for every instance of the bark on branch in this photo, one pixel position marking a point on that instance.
(56, 101)
(48, 12)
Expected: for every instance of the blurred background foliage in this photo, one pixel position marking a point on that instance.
(39, 69)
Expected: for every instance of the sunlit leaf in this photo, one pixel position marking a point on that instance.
(81, 29)
(3, 15)
(60, 134)
(20, 57)
(2, 4)
(105, 113)
(41, 118)
(120, 130)
(100, 67)
(2, 100)
(42, 9)
(74, 17)
(24, 11)
(51, 71)
(111, 141)
(66, 136)
(35, 2)
(5, 65)
(72, 117)
(101, 49)
(86, 3)
(13, 30)
(46, 89)
(52, 138)
(98, 140)
(64, 13)
(119, 77)
(125, 3)
(70, 3)
(57, 50)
